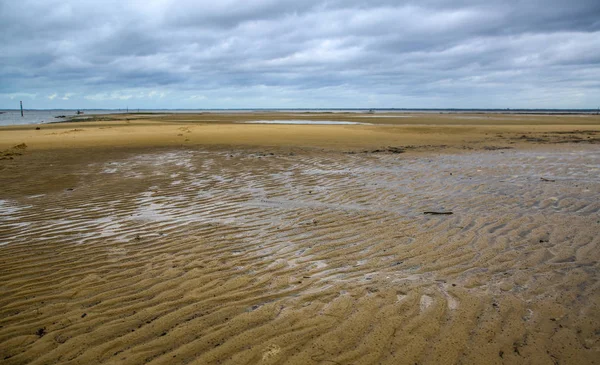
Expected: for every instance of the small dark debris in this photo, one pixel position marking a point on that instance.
(548, 180)
(495, 305)
(396, 150)
(70, 189)
(501, 354)
(41, 332)
(84, 315)
(516, 349)
(453, 284)
(438, 213)
(495, 148)
(388, 149)
(37, 128)
(544, 241)
(163, 334)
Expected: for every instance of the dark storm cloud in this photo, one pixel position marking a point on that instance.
(269, 53)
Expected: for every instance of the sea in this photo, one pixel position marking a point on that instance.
(40, 116)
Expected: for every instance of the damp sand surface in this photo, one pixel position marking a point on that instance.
(277, 256)
(304, 122)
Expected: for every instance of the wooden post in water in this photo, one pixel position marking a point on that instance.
(21, 108)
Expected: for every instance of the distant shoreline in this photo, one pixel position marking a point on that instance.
(45, 117)
(326, 110)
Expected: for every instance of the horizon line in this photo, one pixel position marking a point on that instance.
(304, 108)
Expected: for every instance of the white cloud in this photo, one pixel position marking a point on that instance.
(156, 94)
(285, 53)
(13, 96)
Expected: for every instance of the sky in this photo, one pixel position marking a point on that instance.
(300, 54)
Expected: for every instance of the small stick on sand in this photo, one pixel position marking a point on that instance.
(544, 179)
(438, 213)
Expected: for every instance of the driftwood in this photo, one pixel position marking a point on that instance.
(388, 149)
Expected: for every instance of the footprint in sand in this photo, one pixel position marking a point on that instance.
(426, 302)
(271, 352)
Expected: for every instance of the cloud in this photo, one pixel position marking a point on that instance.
(116, 95)
(13, 96)
(284, 53)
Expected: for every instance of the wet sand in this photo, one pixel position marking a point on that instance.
(248, 251)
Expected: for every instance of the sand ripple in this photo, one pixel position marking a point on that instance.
(197, 257)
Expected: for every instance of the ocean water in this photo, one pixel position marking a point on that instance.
(13, 117)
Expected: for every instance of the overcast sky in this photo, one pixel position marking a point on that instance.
(294, 53)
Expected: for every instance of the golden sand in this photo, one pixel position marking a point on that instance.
(271, 244)
(423, 130)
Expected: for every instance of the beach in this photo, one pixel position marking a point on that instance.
(423, 131)
(220, 238)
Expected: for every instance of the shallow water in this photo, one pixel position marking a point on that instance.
(13, 117)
